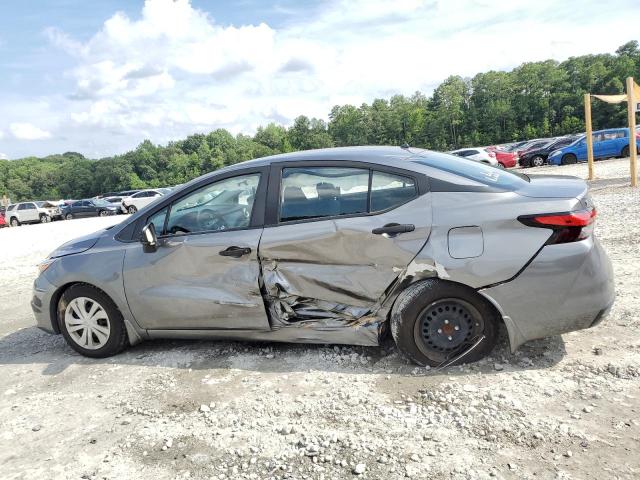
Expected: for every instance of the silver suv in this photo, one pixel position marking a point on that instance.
(30, 212)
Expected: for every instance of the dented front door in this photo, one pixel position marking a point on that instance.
(338, 268)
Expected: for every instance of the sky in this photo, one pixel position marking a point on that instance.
(99, 77)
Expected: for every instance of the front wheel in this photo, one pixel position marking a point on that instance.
(90, 322)
(68, 216)
(103, 213)
(14, 222)
(537, 161)
(569, 159)
(132, 209)
(434, 321)
(500, 165)
(44, 218)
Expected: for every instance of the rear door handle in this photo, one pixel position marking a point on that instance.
(235, 252)
(394, 229)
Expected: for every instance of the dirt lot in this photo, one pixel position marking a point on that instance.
(559, 408)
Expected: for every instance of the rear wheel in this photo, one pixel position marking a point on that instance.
(132, 209)
(90, 322)
(68, 216)
(569, 159)
(500, 165)
(44, 218)
(625, 151)
(14, 222)
(537, 161)
(434, 321)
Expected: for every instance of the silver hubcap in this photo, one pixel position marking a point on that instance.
(87, 323)
(132, 209)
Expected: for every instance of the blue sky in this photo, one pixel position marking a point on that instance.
(99, 77)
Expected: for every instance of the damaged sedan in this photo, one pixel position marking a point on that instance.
(339, 246)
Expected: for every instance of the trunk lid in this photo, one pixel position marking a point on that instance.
(554, 186)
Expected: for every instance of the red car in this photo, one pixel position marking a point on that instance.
(3, 222)
(506, 159)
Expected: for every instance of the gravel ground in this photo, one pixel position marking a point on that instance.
(559, 408)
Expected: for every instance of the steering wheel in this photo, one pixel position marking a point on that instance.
(208, 219)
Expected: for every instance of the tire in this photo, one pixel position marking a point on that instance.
(132, 209)
(625, 151)
(569, 159)
(500, 165)
(109, 339)
(44, 218)
(14, 222)
(103, 213)
(417, 319)
(536, 161)
(68, 216)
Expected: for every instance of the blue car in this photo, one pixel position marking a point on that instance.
(613, 142)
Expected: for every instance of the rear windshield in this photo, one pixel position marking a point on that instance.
(480, 172)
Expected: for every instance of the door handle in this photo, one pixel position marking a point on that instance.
(394, 229)
(235, 252)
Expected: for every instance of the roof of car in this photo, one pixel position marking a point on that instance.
(374, 154)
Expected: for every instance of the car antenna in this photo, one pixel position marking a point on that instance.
(405, 144)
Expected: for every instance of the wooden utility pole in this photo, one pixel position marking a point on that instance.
(633, 152)
(589, 137)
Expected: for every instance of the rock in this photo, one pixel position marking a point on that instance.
(36, 428)
(359, 469)
(587, 409)
(205, 408)
(568, 454)
(497, 366)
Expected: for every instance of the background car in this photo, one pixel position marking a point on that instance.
(3, 222)
(141, 199)
(505, 159)
(27, 212)
(90, 207)
(613, 142)
(477, 154)
(536, 157)
(55, 212)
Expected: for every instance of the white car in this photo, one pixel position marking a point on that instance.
(478, 155)
(141, 199)
(30, 212)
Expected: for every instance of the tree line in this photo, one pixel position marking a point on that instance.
(536, 99)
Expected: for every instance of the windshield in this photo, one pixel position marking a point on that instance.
(101, 203)
(478, 171)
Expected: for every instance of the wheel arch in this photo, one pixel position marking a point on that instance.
(133, 334)
(493, 305)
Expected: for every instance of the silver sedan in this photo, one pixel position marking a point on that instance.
(339, 246)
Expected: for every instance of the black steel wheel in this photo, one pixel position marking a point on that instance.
(446, 325)
(434, 321)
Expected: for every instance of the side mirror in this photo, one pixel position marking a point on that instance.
(149, 239)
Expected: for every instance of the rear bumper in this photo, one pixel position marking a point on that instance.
(40, 304)
(567, 287)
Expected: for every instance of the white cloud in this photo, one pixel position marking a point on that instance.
(27, 131)
(174, 70)
(3, 156)
(1, 134)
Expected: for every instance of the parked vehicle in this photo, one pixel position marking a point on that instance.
(478, 155)
(536, 157)
(3, 222)
(91, 207)
(537, 143)
(141, 199)
(613, 142)
(117, 201)
(504, 158)
(339, 246)
(55, 212)
(28, 212)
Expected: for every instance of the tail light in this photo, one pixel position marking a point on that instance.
(567, 227)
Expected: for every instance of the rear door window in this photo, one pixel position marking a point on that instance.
(317, 192)
(389, 190)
